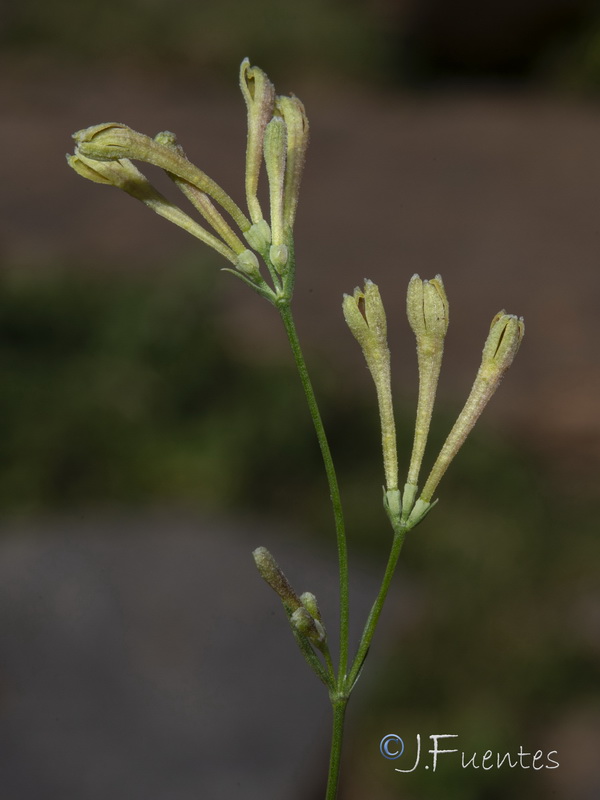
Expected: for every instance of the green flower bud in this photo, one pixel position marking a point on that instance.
(293, 114)
(278, 253)
(308, 626)
(309, 601)
(270, 572)
(419, 511)
(170, 139)
(365, 316)
(259, 236)
(503, 342)
(259, 94)
(247, 262)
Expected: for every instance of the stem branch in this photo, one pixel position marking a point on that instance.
(375, 612)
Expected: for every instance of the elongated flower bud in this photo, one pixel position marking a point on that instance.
(113, 140)
(275, 156)
(271, 573)
(365, 316)
(124, 175)
(296, 121)
(259, 94)
(504, 339)
(428, 314)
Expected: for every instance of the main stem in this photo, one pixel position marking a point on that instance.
(339, 712)
(336, 502)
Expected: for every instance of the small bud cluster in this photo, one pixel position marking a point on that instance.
(277, 135)
(303, 612)
(428, 315)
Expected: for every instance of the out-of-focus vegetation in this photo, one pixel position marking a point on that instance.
(414, 42)
(317, 36)
(123, 389)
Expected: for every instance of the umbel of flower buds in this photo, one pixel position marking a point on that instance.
(277, 135)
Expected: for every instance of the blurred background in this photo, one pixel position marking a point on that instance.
(153, 430)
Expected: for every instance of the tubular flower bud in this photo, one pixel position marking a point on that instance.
(275, 157)
(112, 140)
(308, 626)
(294, 116)
(504, 339)
(428, 315)
(427, 310)
(259, 94)
(122, 174)
(365, 316)
(270, 572)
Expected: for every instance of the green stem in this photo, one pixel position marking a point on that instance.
(339, 712)
(288, 321)
(327, 676)
(375, 613)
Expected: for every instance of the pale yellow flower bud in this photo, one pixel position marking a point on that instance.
(275, 156)
(259, 94)
(504, 339)
(294, 116)
(428, 314)
(427, 308)
(365, 316)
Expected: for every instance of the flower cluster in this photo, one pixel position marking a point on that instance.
(428, 315)
(277, 136)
